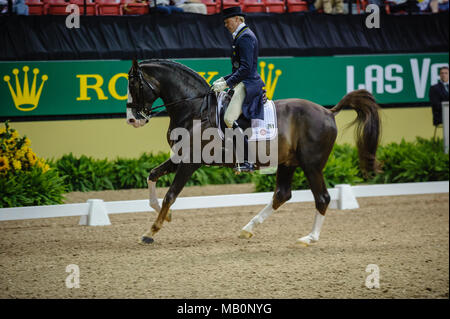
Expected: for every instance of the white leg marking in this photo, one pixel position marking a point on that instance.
(153, 199)
(315, 233)
(247, 231)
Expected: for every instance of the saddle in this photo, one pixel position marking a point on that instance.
(210, 108)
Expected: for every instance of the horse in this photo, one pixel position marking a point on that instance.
(306, 134)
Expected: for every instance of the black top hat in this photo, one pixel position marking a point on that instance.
(232, 12)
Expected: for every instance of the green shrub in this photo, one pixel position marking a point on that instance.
(130, 173)
(423, 160)
(213, 175)
(87, 174)
(84, 173)
(133, 173)
(405, 162)
(340, 169)
(31, 188)
(420, 161)
(25, 179)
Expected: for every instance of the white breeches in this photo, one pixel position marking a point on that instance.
(234, 109)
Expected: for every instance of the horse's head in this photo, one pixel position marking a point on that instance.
(142, 93)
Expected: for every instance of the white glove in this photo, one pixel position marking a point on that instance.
(219, 86)
(219, 80)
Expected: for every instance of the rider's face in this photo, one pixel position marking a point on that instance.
(232, 23)
(444, 75)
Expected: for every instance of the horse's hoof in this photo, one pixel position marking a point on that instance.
(146, 240)
(302, 243)
(168, 217)
(305, 241)
(245, 234)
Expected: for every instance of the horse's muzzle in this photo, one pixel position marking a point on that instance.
(136, 123)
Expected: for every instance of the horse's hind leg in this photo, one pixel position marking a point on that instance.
(321, 198)
(281, 195)
(165, 168)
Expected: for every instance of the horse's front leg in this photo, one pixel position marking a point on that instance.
(184, 172)
(165, 168)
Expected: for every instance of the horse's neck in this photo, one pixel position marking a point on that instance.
(184, 110)
(176, 91)
(181, 119)
(183, 105)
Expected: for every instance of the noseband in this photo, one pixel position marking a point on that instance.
(148, 113)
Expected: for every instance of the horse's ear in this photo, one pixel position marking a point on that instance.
(135, 64)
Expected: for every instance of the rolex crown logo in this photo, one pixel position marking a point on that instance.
(270, 85)
(23, 96)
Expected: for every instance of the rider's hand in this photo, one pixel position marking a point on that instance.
(219, 86)
(219, 80)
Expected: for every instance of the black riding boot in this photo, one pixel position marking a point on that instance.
(246, 166)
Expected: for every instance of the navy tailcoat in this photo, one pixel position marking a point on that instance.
(245, 69)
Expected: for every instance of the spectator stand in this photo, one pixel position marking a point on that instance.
(134, 7)
(36, 7)
(142, 7)
(88, 5)
(109, 7)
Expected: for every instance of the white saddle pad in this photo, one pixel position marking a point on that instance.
(262, 130)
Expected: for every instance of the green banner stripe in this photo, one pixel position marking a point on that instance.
(100, 87)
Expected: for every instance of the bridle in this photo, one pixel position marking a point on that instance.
(145, 112)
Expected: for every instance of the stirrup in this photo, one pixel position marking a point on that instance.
(245, 167)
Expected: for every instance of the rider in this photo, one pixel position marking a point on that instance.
(244, 79)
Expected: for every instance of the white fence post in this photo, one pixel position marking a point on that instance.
(346, 197)
(445, 120)
(97, 215)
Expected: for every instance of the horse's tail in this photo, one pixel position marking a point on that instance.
(368, 128)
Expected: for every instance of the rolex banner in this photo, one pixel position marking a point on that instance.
(100, 87)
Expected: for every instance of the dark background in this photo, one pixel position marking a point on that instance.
(195, 36)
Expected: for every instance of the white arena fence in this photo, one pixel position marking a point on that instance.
(95, 211)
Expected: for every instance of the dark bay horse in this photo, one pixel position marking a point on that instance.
(306, 135)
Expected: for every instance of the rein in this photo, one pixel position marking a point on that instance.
(148, 113)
